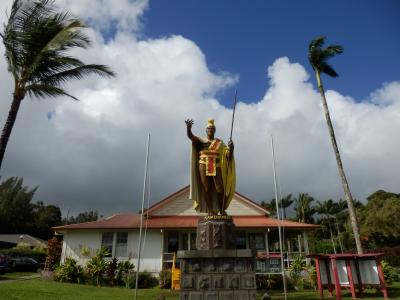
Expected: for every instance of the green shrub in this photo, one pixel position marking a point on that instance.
(272, 282)
(321, 246)
(111, 272)
(145, 281)
(38, 254)
(297, 267)
(70, 271)
(124, 271)
(129, 280)
(165, 278)
(96, 267)
(389, 272)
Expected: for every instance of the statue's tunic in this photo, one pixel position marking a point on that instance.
(215, 156)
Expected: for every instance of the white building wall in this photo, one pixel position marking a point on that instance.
(151, 260)
(75, 241)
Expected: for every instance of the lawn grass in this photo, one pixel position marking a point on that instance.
(16, 275)
(38, 289)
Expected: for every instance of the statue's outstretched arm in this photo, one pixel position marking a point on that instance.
(189, 123)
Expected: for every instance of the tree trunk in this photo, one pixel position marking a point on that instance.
(8, 126)
(347, 193)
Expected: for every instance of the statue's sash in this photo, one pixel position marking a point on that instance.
(211, 157)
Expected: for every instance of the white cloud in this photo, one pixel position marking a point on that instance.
(90, 154)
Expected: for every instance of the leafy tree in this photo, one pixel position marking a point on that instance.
(379, 219)
(37, 39)
(318, 58)
(45, 217)
(329, 211)
(19, 215)
(16, 210)
(87, 216)
(303, 209)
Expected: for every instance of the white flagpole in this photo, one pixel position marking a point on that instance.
(141, 215)
(279, 221)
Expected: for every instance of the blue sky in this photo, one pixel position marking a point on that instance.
(245, 37)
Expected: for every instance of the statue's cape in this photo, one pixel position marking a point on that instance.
(228, 179)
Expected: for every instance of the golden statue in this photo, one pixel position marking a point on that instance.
(212, 178)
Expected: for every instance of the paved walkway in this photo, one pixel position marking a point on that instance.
(28, 277)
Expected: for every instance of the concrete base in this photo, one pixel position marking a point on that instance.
(218, 274)
(216, 232)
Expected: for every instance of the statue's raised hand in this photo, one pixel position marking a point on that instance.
(189, 123)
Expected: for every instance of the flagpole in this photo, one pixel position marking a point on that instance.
(141, 215)
(279, 221)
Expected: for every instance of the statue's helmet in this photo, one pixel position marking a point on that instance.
(210, 123)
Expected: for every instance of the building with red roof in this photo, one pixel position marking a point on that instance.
(170, 225)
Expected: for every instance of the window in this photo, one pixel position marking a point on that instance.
(240, 240)
(185, 241)
(173, 241)
(193, 241)
(107, 242)
(121, 247)
(257, 241)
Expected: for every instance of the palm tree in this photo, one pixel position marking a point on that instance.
(270, 206)
(37, 39)
(318, 57)
(329, 210)
(284, 203)
(304, 210)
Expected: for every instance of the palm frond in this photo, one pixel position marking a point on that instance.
(328, 69)
(37, 39)
(42, 90)
(318, 42)
(76, 73)
(319, 56)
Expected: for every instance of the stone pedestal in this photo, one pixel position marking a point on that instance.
(217, 271)
(216, 232)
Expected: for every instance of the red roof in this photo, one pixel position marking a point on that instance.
(132, 221)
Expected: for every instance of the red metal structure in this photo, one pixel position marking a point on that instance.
(348, 270)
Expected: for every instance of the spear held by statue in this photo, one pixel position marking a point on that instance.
(233, 114)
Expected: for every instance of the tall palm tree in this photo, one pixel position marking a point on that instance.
(37, 39)
(270, 206)
(303, 209)
(284, 203)
(318, 58)
(329, 210)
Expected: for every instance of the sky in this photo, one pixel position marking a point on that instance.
(184, 59)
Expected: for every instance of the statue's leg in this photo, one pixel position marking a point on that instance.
(220, 192)
(205, 182)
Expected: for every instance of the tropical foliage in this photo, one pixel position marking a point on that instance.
(19, 215)
(379, 219)
(53, 257)
(70, 271)
(37, 39)
(303, 208)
